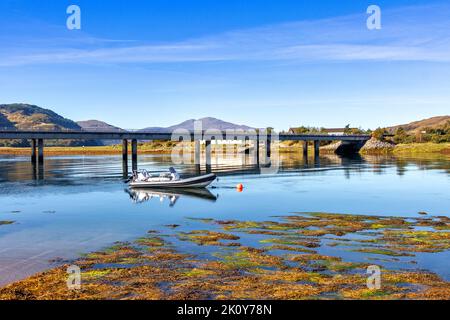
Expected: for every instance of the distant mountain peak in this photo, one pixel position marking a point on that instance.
(97, 125)
(207, 123)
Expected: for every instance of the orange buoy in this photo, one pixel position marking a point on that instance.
(239, 187)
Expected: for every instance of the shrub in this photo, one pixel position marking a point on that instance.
(379, 134)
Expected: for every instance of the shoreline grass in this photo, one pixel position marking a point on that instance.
(90, 150)
(165, 147)
(429, 147)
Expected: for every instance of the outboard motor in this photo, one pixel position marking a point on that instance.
(174, 174)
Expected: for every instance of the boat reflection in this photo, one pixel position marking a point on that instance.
(138, 195)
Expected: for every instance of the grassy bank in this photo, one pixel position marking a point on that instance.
(400, 149)
(149, 148)
(406, 149)
(420, 148)
(165, 147)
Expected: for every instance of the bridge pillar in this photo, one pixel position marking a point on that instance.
(40, 171)
(197, 155)
(197, 152)
(33, 150)
(34, 169)
(125, 158)
(134, 150)
(40, 145)
(305, 149)
(316, 148)
(268, 150)
(257, 149)
(125, 150)
(208, 152)
(208, 155)
(125, 170)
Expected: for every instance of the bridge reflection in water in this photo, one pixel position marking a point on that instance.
(83, 170)
(259, 143)
(78, 168)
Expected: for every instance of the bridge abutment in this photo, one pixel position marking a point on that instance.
(349, 147)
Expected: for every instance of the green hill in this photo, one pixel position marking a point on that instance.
(417, 126)
(26, 117)
(30, 117)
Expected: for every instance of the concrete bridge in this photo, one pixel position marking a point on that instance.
(350, 142)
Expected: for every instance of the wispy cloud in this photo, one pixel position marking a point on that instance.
(408, 34)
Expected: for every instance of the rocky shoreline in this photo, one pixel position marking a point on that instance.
(375, 145)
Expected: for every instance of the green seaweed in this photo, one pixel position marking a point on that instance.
(151, 267)
(383, 252)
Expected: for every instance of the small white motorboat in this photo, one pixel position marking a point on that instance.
(143, 179)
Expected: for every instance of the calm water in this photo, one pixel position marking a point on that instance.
(81, 203)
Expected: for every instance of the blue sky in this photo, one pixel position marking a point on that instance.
(273, 63)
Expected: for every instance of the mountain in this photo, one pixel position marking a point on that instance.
(96, 125)
(432, 123)
(30, 117)
(207, 123)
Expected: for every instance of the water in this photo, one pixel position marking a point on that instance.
(81, 203)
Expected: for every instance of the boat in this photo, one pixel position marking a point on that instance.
(143, 179)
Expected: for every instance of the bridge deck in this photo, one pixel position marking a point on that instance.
(129, 135)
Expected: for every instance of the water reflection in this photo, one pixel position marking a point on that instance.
(144, 195)
(79, 204)
(83, 169)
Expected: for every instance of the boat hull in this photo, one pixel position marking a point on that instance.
(194, 182)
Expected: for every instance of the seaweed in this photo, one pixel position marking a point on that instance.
(152, 268)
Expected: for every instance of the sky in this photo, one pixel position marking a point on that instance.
(277, 63)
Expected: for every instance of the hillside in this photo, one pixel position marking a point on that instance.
(96, 125)
(432, 123)
(5, 123)
(207, 123)
(30, 117)
(26, 117)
